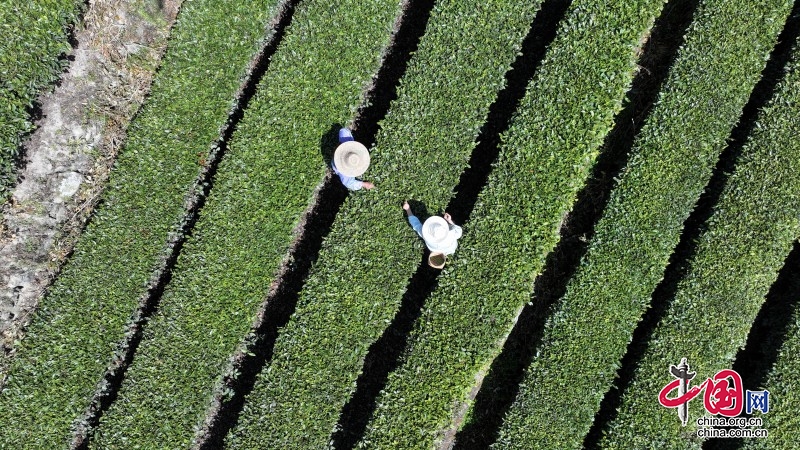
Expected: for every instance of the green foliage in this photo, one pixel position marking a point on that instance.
(767, 193)
(81, 321)
(358, 282)
(782, 421)
(33, 36)
(584, 340)
(544, 161)
(316, 78)
(265, 183)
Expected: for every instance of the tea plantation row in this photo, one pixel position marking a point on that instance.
(265, 182)
(360, 278)
(77, 331)
(782, 421)
(738, 256)
(777, 140)
(544, 160)
(268, 180)
(716, 69)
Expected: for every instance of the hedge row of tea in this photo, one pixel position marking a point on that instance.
(545, 158)
(778, 129)
(76, 332)
(583, 341)
(737, 259)
(358, 282)
(782, 421)
(265, 182)
(33, 37)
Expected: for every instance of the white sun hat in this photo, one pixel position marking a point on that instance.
(435, 231)
(351, 158)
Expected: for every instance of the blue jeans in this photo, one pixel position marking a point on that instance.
(345, 135)
(415, 224)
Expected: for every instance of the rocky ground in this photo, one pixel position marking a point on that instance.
(68, 157)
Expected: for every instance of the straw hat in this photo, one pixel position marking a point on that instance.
(435, 230)
(437, 260)
(351, 158)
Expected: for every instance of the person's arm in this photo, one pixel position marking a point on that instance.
(355, 185)
(351, 183)
(453, 227)
(456, 230)
(412, 219)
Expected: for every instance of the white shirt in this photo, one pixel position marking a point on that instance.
(449, 244)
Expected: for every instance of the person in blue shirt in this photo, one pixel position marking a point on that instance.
(350, 183)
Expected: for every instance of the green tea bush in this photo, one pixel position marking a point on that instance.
(782, 422)
(317, 76)
(739, 253)
(82, 319)
(544, 161)
(777, 140)
(357, 284)
(724, 52)
(33, 37)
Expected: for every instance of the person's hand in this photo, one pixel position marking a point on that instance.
(367, 185)
(406, 206)
(448, 218)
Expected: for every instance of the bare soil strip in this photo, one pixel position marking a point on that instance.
(67, 159)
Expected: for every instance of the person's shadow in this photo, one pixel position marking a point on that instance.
(328, 143)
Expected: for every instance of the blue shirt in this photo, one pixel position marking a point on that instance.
(348, 182)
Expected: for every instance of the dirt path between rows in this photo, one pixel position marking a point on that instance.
(68, 157)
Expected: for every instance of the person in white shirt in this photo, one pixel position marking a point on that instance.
(439, 233)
